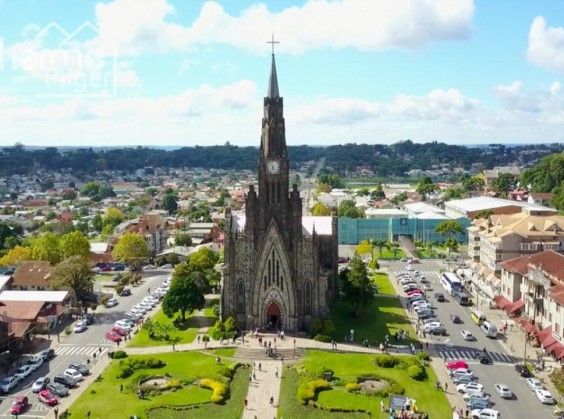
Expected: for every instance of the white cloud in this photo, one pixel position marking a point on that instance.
(369, 25)
(546, 45)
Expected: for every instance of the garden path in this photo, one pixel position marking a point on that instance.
(264, 385)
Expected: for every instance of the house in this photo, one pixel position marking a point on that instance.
(471, 207)
(491, 175)
(540, 198)
(33, 275)
(152, 226)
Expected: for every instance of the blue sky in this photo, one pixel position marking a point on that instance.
(184, 73)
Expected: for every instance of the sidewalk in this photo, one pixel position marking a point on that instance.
(261, 389)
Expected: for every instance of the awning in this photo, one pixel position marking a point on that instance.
(502, 302)
(548, 341)
(515, 306)
(544, 333)
(520, 321)
(558, 351)
(531, 328)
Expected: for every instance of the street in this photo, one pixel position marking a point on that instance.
(524, 404)
(80, 347)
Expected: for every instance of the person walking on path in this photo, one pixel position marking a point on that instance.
(56, 412)
(271, 400)
(276, 372)
(250, 377)
(446, 387)
(260, 366)
(246, 403)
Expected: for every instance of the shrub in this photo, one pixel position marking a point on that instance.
(119, 354)
(417, 372)
(230, 324)
(405, 362)
(172, 384)
(68, 330)
(104, 299)
(322, 338)
(352, 387)
(205, 338)
(220, 390)
(386, 361)
(315, 328)
(216, 310)
(308, 391)
(423, 356)
(129, 366)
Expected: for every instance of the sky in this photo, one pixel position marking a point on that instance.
(186, 73)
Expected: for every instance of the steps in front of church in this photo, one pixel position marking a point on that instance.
(257, 353)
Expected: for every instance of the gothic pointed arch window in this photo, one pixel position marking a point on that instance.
(307, 298)
(240, 297)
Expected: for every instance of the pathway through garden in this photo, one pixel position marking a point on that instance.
(263, 386)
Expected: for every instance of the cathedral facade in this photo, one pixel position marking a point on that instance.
(280, 267)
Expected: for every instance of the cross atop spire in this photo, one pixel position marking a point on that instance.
(272, 42)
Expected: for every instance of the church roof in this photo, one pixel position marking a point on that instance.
(273, 82)
(322, 225)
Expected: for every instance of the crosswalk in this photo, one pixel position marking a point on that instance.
(430, 275)
(468, 354)
(88, 351)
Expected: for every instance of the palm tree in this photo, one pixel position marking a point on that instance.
(380, 244)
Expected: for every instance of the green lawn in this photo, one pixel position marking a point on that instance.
(290, 408)
(208, 312)
(104, 400)
(186, 332)
(383, 283)
(383, 316)
(349, 366)
(388, 254)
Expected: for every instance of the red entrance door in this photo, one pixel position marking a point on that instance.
(273, 315)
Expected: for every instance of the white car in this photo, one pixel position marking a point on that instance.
(410, 268)
(431, 320)
(166, 266)
(423, 307)
(485, 414)
(35, 363)
(427, 287)
(469, 388)
(405, 281)
(40, 384)
(122, 324)
(8, 383)
(544, 396)
(148, 267)
(23, 372)
(534, 384)
(140, 308)
(503, 391)
(112, 302)
(144, 304)
(475, 395)
(80, 327)
(467, 335)
(71, 372)
(432, 325)
(462, 372)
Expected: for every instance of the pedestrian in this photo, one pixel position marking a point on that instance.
(276, 372)
(56, 412)
(467, 413)
(254, 376)
(382, 407)
(88, 414)
(446, 387)
(250, 377)
(198, 339)
(485, 351)
(148, 290)
(121, 388)
(271, 400)
(260, 366)
(246, 403)
(217, 360)
(117, 343)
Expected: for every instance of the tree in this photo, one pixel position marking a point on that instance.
(183, 239)
(47, 247)
(320, 210)
(473, 184)
(348, 209)
(484, 214)
(399, 198)
(378, 193)
(75, 244)
(113, 217)
(363, 192)
(449, 228)
(452, 244)
(184, 295)
(73, 273)
(169, 203)
(132, 249)
(97, 223)
(503, 184)
(426, 187)
(16, 256)
(364, 248)
(380, 244)
(454, 192)
(357, 287)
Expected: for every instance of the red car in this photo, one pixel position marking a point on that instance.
(46, 397)
(113, 336)
(19, 406)
(415, 291)
(119, 331)
(453, 365)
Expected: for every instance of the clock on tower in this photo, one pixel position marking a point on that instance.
(273, 167)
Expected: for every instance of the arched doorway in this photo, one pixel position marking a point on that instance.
(273, 315)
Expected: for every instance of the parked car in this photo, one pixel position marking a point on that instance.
(478, 404)
(431, 320)
(47, 354)
(45, 396)
(35, 362)
(485, 414)
(468, 387)
(22, 372)
(462, 380)
(426, 315)
(456, 364)
(440, 297)
(522, 371)
(166, 266)
(476, 395)
(483, 357)
(19, 405)
(133, 316)
(58, 389)
(80, 326)
(126, 292)
(119, 331)
(113, 336)
(80, 367)
(463, 372)
(430, 325)
(8, 383)
(65, 380)
(40, 384)
(71, 372)
(455, 318)
(467, 335)
(534, 384)
(112, 302)
(438, 330)
(122, 324)
(89, 319)
(544, 396)
(503, 391)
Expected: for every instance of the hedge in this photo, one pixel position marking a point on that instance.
(129, 366)
(220, 390)
(352, 387)
(308, 391)
(417, 372)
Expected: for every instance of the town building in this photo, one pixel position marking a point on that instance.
(471, 207)
(280, 267)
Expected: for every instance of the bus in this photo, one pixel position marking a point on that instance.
(450, 282)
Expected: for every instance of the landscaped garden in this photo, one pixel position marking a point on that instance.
(358, 383)
(382, 281)
(174, 385)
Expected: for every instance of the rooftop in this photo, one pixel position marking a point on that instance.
(481, 203)
(34, 296)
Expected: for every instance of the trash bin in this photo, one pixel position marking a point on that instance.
(328, 375)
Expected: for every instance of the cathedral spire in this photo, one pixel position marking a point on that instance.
(273, 80)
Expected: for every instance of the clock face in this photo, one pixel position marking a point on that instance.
(273, 167)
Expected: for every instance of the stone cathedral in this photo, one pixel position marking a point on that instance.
(280, 267)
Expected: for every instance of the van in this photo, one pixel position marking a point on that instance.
(478, 317)
(462, 298)
(489, 329)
